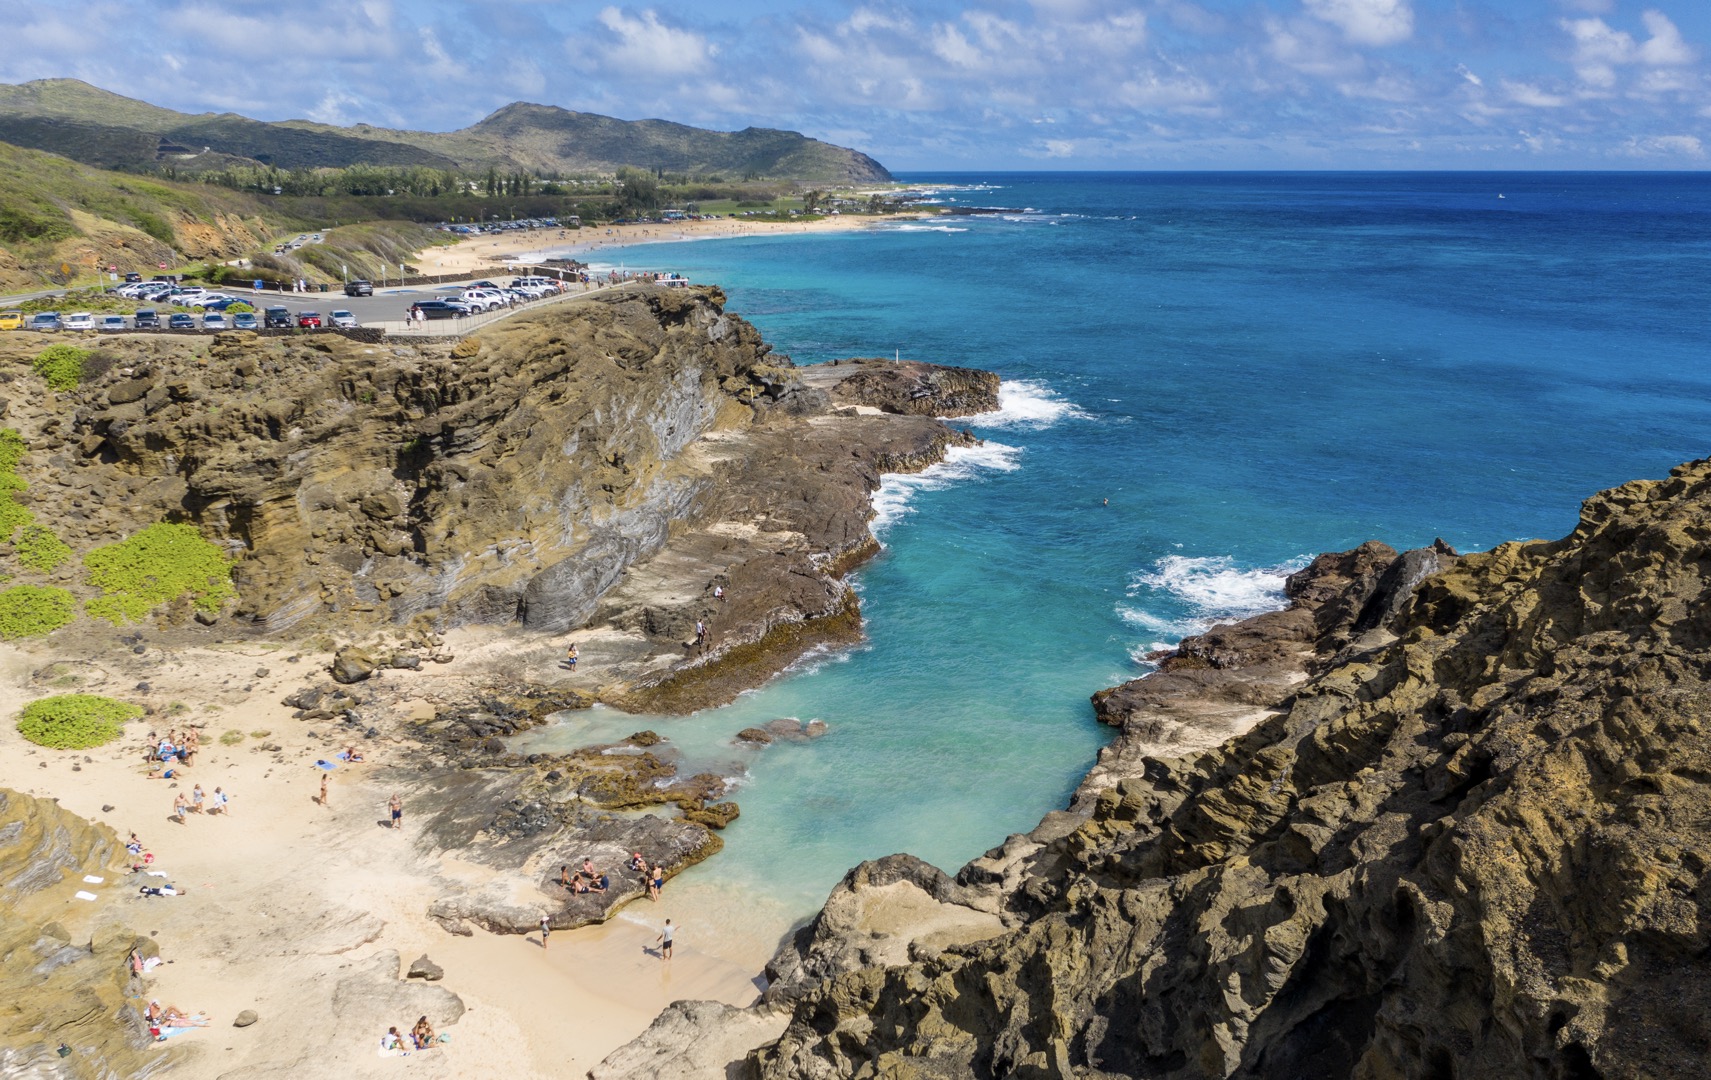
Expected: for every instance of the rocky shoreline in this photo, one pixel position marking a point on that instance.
(1443, 816)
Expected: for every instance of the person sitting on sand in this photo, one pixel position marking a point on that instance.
(588, 869)
(351, 754)
(133, 845)
(392, 1040)
(422, 1034)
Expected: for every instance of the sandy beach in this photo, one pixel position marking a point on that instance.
(310, 914)
(479, 253)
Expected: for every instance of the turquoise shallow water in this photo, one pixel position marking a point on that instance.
(1251, 368)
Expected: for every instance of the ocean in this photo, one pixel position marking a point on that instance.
(1208, 378)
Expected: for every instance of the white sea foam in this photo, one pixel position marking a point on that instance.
(897, 490)
(927, 228)
(1026, 403)
(1200, 592)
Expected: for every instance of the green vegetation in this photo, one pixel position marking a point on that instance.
(61, 365)
(75, 721)
(34, 610)
(155, 566)
(40, 550)
(13, 514)
(231, 738)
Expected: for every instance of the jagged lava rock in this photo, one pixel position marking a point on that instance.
(1469, 839)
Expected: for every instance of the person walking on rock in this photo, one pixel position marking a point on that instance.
(570, 655)
(700, 634)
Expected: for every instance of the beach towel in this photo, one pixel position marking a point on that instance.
(85, 895)
(327, 765)
(91, 879)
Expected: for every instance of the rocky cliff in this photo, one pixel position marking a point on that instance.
(64, 976)
(522, 476)
(1465, 837)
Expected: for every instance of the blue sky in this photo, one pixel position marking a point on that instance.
(1004, 84)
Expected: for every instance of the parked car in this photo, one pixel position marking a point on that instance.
(133, 276)
(483, 299)
(113, 323)
(80, 320)
(45, 321)
(180, 321)
(217, 303)
(359, 288)
(344, 320)
(309, 320)
(11, 320)
(245, 320)
(443, 309)
(146, 319)
(215, 321)
(276, 318)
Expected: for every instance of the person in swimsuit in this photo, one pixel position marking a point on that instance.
(657, 883)
(196, 798)
(323, 790)
(396, 805)
(570, 655)
(178, 807)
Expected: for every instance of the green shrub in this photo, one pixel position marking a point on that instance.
(61, 365)
(11, 450)
(232, 738)
(75, 721)
(39, 549)
(33, 610)
(154, 566)
(239, 308)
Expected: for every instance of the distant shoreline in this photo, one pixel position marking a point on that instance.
(481, 254)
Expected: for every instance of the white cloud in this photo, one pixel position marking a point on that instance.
(1599, 48)
(1687, 146)
(1462, 70)
(643, 45)
(1366, 22)
(1522, 93)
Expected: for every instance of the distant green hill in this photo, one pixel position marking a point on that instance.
(61, 221)
(100, 128)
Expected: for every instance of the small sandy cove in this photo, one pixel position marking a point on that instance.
(482, 253)
(288, 900)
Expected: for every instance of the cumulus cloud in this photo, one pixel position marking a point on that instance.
(1599, 48)
(1366, 22)
(1525, 93)
(645, 46)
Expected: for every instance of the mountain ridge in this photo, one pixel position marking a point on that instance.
(102, 128)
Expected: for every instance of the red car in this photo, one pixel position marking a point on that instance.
(309, 320)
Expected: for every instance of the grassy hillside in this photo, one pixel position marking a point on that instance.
(111, 131)
(60, 220)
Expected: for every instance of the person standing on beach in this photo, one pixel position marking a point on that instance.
(664, 941)
(396, 805)
(323, 791)
(546, 930)
(570, 655)
(178, 806)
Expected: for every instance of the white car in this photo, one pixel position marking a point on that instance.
(483, 299)
(113, 323)
(205, 299)
(343, 319)
(80, 320)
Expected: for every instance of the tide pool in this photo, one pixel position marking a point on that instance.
(1250, 368)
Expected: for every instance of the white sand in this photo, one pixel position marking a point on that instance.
(286, 898)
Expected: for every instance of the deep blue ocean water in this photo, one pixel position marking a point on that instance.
(1251, 368)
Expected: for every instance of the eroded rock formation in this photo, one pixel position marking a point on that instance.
(1465, 837)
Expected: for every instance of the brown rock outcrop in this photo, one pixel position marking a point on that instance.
(908, 387)
(1471, 843)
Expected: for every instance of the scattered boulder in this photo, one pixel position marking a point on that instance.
(246, 1018)
(353, 665)
(423, 968)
